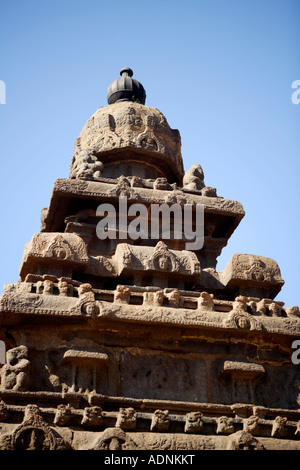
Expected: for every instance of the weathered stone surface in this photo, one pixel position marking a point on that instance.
(61, 250)
(157, 259)
(243, 369)
(252, 275)
(137, 130)
(125, 344)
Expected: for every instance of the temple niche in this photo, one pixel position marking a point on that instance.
(120, 342)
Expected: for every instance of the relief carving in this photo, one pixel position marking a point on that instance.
(174, 298)
(114, 439)
(85, 166)
(251, 425)
(261, 307)
(160, 421)
(205, 302)
(122, 295)
(123, 189)
(279, 428)
(63, 415)
(33, 433)
(159, 259)
(242, 440)
(126, 418)
(85, 370)
(193, 422)
(64, 247)
(92, 416)
(225, 425)
(179, 197)
(163, 259)
(153, 298)
(48, 287)
(58, 248)
(86, 304)
(101, 266)
(240, 318)
(147, 139)
(194, 178)
(64, 288)
(293, 311)
(162, 184)
(126, 125)
(275, 309)
(260, 272)
(15, 373)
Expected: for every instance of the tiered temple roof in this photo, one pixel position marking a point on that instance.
(122, 343)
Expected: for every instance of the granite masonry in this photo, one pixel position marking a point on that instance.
(143, 344)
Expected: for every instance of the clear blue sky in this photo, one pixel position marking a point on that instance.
(220, 71)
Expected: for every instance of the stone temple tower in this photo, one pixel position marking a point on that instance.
(117, 342)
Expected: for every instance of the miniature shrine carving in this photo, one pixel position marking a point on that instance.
(116, 342)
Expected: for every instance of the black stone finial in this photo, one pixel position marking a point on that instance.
(126, 89)
(126, 72)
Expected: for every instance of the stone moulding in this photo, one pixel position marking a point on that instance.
(243, 369)
(103, 189)
(211, 313)
(138, 422)
(106, 191)
(74, 355)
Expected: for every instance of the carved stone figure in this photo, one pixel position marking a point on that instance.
(124, 189)
(86, 166)
(87, 304)
(205, 302)
(275, 309)
(122, 295)
(153, 298)
(242, 440)
(261, 307)
(279, 428)
(34, 434)
(163, 259)
(92, 416)
(63, 288)
(161, 183)
(126, 418)
(174, 298)
(251, 425)
(225, 425)
(240, 318)
(15, 373)
(193, 422)
(114, 439)
(293, 311)
(194, 178)
(160, 421)
(63, 415)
